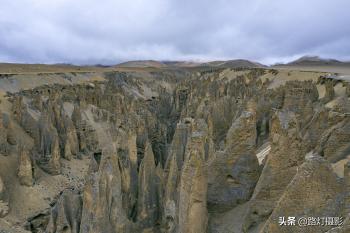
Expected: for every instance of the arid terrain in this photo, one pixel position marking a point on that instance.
(175, 147)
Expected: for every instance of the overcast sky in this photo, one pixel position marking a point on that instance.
(111, 31)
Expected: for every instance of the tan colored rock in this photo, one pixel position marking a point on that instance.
(2, 189)
(87, 138)
(334, 143)
(49, 150)
(25, 168)
(102, 198)
(298, 93)
(127, 160)
(11, 137)
(314, 191)
(76, 115)
(345, 226)
(3, 136)
(233, 173)
(54, 164)
(346, 209)
(67, 153)
(70, 139)
(171, 198)
(147, 203)
(4, 207)
(179, 142)
(299, 97)
(199, 123)
(287, 153)
(159, 183)
(30, 124)
(17, 107)
(330, 94)
(347, 90)
(66, 214)
(38, 102)
(193, 214)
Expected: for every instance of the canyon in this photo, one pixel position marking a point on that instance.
(173, 148)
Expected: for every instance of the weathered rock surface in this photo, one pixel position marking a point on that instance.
(4, 208)
(314, 191)
(49, 150)
(175, 151)
(234, 172)
(66, 214)
(4, 148)
(287, 153)
(25, 167)
(171, 198)
(193, 216)
(148, 200)
(102, 209)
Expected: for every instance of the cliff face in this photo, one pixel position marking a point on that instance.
(191, 151)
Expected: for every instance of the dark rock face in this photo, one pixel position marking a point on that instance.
(3, 136)
(147, 205)
(66, 214)
(49, 150)
(7, 137)
(234, 172)
(170, 151)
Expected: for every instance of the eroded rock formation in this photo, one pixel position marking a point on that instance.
(4, 207)
(176, 151)
(25, 167)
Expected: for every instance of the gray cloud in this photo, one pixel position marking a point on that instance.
(110, 31)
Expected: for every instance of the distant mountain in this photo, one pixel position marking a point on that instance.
(220, 64)
(142, 64)
(234, 64)
(182, 63)
(316, 61)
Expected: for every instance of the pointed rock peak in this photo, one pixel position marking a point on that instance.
(132, 147)
(314, 164)
(45, 117)
(347, 175)
(1, 120)
(347, 165)
(159, 170)
(2, 188)
(25, 172)
(159, 167)
(195, 158)
(76, 114)
(251, 106)
(284, 119)
(149, 156)
(93, 166)
(172, 179)
(173, 165)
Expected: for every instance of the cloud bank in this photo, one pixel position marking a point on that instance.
(112, 31)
